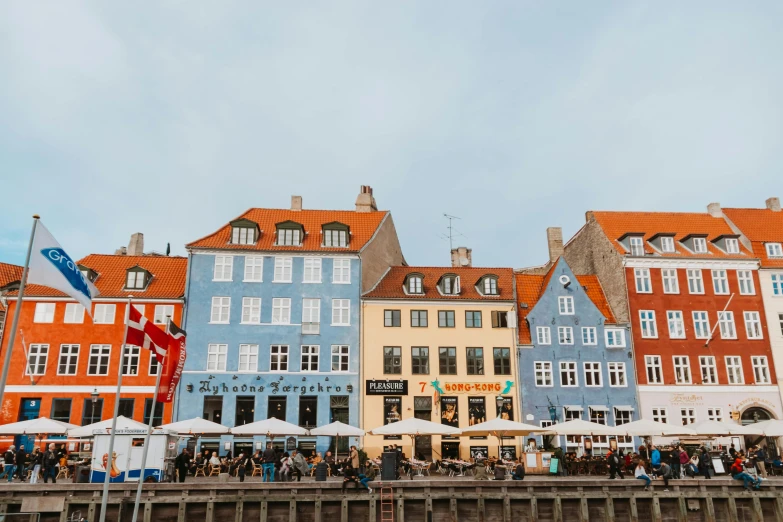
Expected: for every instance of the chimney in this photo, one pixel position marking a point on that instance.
(554, 240)
(364, 201)
(773, 204)
(713, 209)
(136, 245)
(296, 202)
(461, 256)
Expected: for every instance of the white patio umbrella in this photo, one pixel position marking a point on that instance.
(580, 427)
(196, 427)
(34, 426)
(501, 428)
(651, 428)
(414, 427)
(270, 427)
(123, 423)
(769, 428)
(710, 428)
(337, 429)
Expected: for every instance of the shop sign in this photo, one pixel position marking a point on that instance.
(754, 401)
(684, 398)
(391, 413)
(469, 387)
(382, 387)
(208, 387)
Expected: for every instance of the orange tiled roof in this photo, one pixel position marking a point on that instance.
(759, 225)
(9, 273)
(391, 286)
(682, 224)
(362, 227)
(168, 277)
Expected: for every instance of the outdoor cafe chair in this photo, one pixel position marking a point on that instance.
(214, 471)
(258, 471)
(201, 470)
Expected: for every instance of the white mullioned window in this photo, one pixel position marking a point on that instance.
(753, 325)
(310, 358)
(676, 324)
(99, 359)
(647, 322)
(566, 305)
(565, 335)
(311, 311)
(660, 415)
(667, 244)
(216, 357)
(243, 235)
(700, 245)
(734, 369)
(568, 374)
(760, 369)
(335, 237)
(543, 372)
(709, 373)
(543, 335)
(278, 358)
(289, 236)
(44, 313)
(617, 377)
(671, 283)
(695, 282)
(104, 314)
(414, 285)
(774, 250)
(69, 359)
(283, 269)
(340, 357)
(592, 374)
(141, 308)
(341, 312)
(281, 310)
(720, 282)
(254, 269)
(490, 286)
(715, 414)
(130, 360)
(642, 278)
(732, 246)
(701, 325)
(37, 355)
(162, 313)
(135, 280)
(682, 369)
(251, 310)
(614, 337)
(224, 268)
(341, 271)
(74, 313)
(589, 336)
(777, 284)
(654, 372)
(220, 310)
(688, 416)
(726, 322)
(637, 245)
(312, 270)
(746, 284)
(248, 358)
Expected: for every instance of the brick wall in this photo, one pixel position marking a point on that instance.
(381, 252)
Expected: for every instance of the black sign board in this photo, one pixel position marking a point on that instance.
(479, 452)
(477, 412)
(508, 452)
(391, 413)
(378, 387)
(290, 443)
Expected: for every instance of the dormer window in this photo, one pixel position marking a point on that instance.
(732, 245)
(774, 250)
(667, 244)
(449, 284)
(637, 245)
(414, 284)
(489, 285)
(244, 232)
(137, 278)
(700, 245)
(336, 235)
(289, 233)
(88, 273)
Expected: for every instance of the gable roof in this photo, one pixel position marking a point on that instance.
(10, 273)
(759, 225)
(362, 226)
(391, 285)
(683, 224)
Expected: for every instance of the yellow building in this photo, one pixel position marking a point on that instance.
(439, 344)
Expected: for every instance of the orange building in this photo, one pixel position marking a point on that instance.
(64, 364)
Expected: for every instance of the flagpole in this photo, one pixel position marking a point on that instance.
(149, 430)
(17, 312)
(107, 478)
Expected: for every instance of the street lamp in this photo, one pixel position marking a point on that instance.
(499, 401)
(94, 399)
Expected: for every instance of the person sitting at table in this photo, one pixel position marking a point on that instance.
(214, 460)
(196, 462)
(317, 459)
(519, 471)
(329, 459)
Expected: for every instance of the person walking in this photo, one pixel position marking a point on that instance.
(368, 475)
(355, 458)
(674, 462)
(241, 466)
(9, 463)
(299, 464)
(21, 462)
(269, 463)
(49, 464)
(641, 474)
(655, 459)
(35, 465)
(704, 463)
(761, 461)
(182, 463)
(684, 462)
(349, 476)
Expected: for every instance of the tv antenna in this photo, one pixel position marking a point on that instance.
(453, 232)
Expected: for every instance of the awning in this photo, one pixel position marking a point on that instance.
(624, 408)
(574, 408)
(598, 408)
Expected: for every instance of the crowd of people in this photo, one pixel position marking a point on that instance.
(32, 466)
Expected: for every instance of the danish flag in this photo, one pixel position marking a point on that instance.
(143, 333)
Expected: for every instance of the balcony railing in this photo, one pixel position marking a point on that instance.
(311, 328)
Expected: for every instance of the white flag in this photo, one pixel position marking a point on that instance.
(51, 266)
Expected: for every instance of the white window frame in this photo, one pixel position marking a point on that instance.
(162, 312)
(700, 245)
(653, 362)
(565, 304)
(709, 369)
(237, 234)
(642, 280)
(221, 305)
(720, 282)
(734, 370)
(289, 237)
(753, 325)
(695, 281)
(617, 373)
(341, 271)
(565, 335)
(415, 285)
(154, 366)
(701, 324)
(311, 311)
(281, 310)
(636, 246)
(732, 245)
(490, 286)
(131, 357)
(224, 268)
(777, 284)
(74, 313)
(36, 353)
(248, 358)
(715, 414)
(660, 414)
(102, 351)
(310, 356)
(667, 244)
(774, 249)
(543, 374)
(728, 330)
(44, 312)
(671, 280)
(70, 354)
(746, 284)
(312, 270)
(676, 324)
(688, 416)
(592, 373)
(254, 269)
(647, 324)
(589, 336)
(682, 369)
(284, 269)
(251, 310)
(278, 358)
(614, 338)
(568, 368)
(217, 356)
(341, 354)
(341, 312)
(104, 313)
(760, 369)
(544, 335)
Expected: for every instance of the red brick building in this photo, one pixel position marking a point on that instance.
(64, 364)
(690, 290)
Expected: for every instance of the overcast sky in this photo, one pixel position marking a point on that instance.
(173, 118)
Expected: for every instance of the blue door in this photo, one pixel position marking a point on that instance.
(28, 410)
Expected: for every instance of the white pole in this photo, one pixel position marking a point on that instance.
(107, 478)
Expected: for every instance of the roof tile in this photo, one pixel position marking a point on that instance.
(391, 286)
(759, 225)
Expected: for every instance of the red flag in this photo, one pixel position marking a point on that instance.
(173, 364)
(143, 333)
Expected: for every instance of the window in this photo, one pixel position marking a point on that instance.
(592, 374)
(310, 358)
(647, 321)
(709, 374)
(621, 416)
(213, 408)
(283, 267)
(726, 322)
(308, 411)
(667, 244)
(154, 366)
(414, 285)
(760, 369)
(311, 316)
(682, 369)
(278, 358)
(502, 357)
(391, 318)
(615, 338)
(281, 310)
(720, 283)
(44, 313)
(780, 321)
(732, 246)
(162, 312)
(695, 284)
(69, 359)
(572, 413)
(777, 284)
(660, 415)
(566, 305)
(392, 359)
(99, 359)
(312, 270)
(589, 337)
(220, 310)
(565, 335)
(676, 324)
(340, 355)
(130, 360)
(243, 235)
(216, 357)
(568, 374)
(746, 284)
(251, 310)
(341, 312)
(224, 266)
(36, 359)
(753, 325)
(715, 414)
(653, 364)
(289, 236)
(126, 408)
(92, 411)
(734, 369)
(418, 318)
(447, 361)
(341, 271)
(543, 335)
(475, 359)
(700, 245)
(335, 237)
(637, 246)
(617, 378)
(136, 279)
(688, 416)
(74, 313)
(450, 285)
(420, 360)
(543, 370)
(701, 325)
(774, 250)
(245, 410)
(254, 269)
(248, 358)
(157, 416)
(445, 318)
(671, 284)
(499, 319)
(642, 278)
(61, 410)
(598, 415)
(104, 314)
(473, 319)
(490, 286)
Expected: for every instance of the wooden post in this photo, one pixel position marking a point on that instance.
(656, 510)
(428, 509)
(758, 514)
(709, 509)
(147, 516)
(609, 510)
(400, 507)
(317, 515)
(292, 510)
(584, 512)
(682, 509)
(479, 508)
(733, 517)
(779, 508)
(506, 508)
(453, 510)
(533, 509)
(634, 510)
(91, 512)
(64, 513)
(239, 512)
(373, 515)
(264, 509)
(344, 510)
(210, 511)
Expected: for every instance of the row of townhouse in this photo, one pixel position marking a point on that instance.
(313, 316)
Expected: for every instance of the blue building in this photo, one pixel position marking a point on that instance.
(574, 360)
(273, 318)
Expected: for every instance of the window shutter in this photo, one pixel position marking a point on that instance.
(512, 319)
(495, 320)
